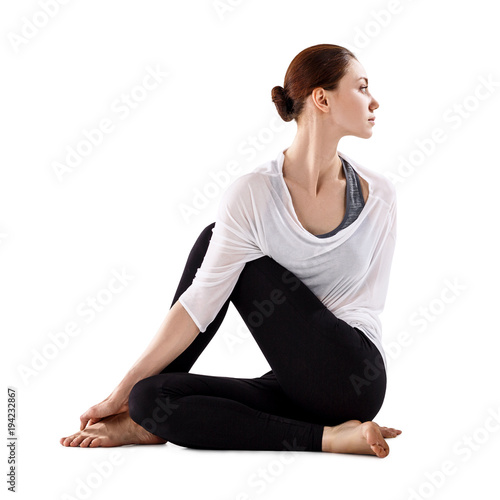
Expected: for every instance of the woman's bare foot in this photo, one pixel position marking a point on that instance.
(354, 436)
(116, 430)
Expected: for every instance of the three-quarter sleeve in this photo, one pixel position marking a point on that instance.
(232, 245)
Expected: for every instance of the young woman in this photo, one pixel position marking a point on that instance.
(302, 246)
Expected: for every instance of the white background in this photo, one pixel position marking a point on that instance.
(121, 207)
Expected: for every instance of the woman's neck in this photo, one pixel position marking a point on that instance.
(311, 160)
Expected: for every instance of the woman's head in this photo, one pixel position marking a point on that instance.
(324, 81)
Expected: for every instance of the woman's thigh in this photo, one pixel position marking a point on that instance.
(324, 366)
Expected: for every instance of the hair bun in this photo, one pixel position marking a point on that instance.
(283, 103)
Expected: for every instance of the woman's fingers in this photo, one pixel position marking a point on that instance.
(104, 409)
(88, 417)
(83, 422)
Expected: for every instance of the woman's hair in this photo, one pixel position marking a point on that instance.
(321, 65)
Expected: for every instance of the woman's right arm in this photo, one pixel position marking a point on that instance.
(176, 333)
(232, 244)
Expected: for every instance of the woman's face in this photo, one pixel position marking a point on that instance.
(351, 103)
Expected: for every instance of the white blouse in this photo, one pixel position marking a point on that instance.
(349, 271)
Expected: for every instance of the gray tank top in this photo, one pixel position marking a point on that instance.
(354, 199)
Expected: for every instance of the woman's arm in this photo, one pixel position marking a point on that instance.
(175, 334)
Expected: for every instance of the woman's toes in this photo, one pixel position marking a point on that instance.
(389, 432)
(76, 441)
(374, 437)
(382, 452)
(86, 442)
(80, 437)
(381, 449)
(95, 443)
(68, 440)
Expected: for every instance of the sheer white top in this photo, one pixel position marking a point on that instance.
(348, 271)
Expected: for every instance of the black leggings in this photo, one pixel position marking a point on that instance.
(324, 371)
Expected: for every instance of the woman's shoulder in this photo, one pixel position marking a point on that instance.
(259, 179)
(246, 193)
(245, 184)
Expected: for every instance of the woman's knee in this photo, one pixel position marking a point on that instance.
(370, 396)
(266, 279)
(139, 400)
(265, 269)
(152, 401)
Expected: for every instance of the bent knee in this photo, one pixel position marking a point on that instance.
(140, 400)
(151, 405)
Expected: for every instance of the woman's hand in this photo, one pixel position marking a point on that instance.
(112, 405)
